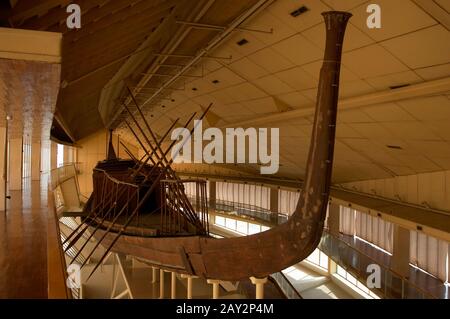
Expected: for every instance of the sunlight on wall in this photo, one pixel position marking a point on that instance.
(60, 155)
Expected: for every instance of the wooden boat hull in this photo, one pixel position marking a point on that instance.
(262, 254)
(230, 259)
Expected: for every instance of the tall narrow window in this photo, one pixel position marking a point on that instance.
(60, 155)
(45, 156)
(430, 254)
(26, 156)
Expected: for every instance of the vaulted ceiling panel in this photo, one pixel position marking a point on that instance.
(268, 75)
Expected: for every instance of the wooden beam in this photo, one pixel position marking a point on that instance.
(59, 16)
(96, 50)
(98, 12)
(436, 11)
(409, 92)
(120, 30)
(24, 10)
(30, 45)
(149, 9)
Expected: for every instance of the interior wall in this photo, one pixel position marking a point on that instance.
(69, 154)
(92, 150)
(26, 156)
(53, 155)
(120, 150)
(15, 164)
(45, 156)
(36, 161)
(432, 189)
(2, 168)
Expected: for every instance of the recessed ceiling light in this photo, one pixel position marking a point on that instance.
(399, 86)
(163, 106)
(394, 147)
(194, 89)
(151, 115)
(215, 81)
(299, 11)
(242, 42)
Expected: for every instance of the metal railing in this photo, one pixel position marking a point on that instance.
(285, 286)
(258, 213)
(56, 262)
(61, 174)
(392, 285)
(245, 210)
(356, 262)
(73, 251)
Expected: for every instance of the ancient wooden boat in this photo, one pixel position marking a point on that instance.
(139, 207)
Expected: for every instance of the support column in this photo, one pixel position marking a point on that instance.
(173, 282)
(67, 154)
(259, 283)
(332, 266)
(215, 284)
(212, 194)
(400, 254)
(274, 204)
(161, 284)
(15, 164)
(3, 168)
(333, 218)
(154, 285)
(154, 274)
(36, 161)
(53, 155)
(189, 284)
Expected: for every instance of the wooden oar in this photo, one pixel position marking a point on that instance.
(140, 202)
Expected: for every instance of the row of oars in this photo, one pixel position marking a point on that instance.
(109, 212)
(162, 160)
(94, 212)
(105, 215)
(164, 169)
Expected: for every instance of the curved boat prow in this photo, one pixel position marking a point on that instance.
(288, 244)
(282, 246)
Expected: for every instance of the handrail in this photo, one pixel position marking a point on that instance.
(251, 210)
(281, 281)
(386, 269)
(115, 180)
(62, 174)
(184, 181)
(57, 268)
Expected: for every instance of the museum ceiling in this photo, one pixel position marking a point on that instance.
(258, 62)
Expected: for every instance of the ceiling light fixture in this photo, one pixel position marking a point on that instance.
(242, 42)
(394, 87)
(395, 147)
(299, 11)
